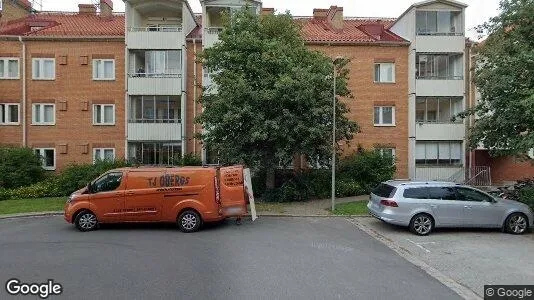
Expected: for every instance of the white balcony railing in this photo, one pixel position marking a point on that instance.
(154, 131)
(155, 84)
(211, 36)
(440, 87)
(155, 37)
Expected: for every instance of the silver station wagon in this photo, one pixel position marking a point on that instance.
(423, 206)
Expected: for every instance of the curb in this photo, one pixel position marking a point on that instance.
(29, 215)
(460, 289)
(313, 216)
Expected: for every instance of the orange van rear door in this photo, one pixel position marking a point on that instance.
(232, 192)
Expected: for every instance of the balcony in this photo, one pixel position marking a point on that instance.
(439, 131)
(154, 131)
(211, 36)
(162, 37)
(154, 84)
(452, 173)
(440, 43)
(438, 86)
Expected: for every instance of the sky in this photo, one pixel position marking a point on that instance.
(477, 12)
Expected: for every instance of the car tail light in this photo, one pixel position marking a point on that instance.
(389, 202)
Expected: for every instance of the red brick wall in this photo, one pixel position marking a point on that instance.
(193, 144)
(74, 85)
(367, 94)
(504, 169)
(11, 92)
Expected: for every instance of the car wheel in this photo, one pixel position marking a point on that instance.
(189, 221)
(86, 221)
(516, 223)
(422, 224)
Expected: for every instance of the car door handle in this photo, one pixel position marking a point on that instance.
(433, 205)
(467, 206)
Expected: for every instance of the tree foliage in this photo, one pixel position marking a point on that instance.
(273, 95)
(504, 76)
(19, 167)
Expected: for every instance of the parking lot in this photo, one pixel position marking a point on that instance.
(469, 258)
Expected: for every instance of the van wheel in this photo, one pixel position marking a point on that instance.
(189, 221)
(422, 224)
(86, 221)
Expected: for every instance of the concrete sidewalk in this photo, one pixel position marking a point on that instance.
(305, 208)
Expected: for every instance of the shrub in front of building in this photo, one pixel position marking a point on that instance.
(19, 167)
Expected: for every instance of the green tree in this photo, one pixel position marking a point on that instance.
(504, 76)
(273, 95)
(19, 167)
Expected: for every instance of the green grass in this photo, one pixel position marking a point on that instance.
(351, 208)
(32, 205)
(271, 207)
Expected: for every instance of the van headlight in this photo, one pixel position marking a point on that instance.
(71, 197)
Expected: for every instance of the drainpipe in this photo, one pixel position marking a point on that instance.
(194, 95)
(23, 91)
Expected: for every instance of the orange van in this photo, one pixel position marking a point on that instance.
(187, 196)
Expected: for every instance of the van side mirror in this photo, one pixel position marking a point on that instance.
(89, 188)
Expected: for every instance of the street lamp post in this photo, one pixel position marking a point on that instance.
(334, 141)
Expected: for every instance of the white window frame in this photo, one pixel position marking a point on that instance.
(42, 114)
(41, 61)
(102, 156)
(41, 154)
(5, 111)
(6, 66)
(102, 61)
(102, 114)
(381, 150)
(380, 67)
(381, 117)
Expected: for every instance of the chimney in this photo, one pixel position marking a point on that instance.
(320, 13)
(267, 11)
(86, 9)
(106, 8)
(335, 17)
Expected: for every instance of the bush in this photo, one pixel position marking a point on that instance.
(41, 189)
(368, 168)
(526, 195)
(76, 176)
(19, 167)
(348, 189)
(190, 159)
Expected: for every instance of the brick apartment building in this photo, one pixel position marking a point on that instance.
(84, 85)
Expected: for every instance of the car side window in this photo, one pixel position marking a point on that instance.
(416, 193)
(442, 193)
(108, 182)
(466, 194)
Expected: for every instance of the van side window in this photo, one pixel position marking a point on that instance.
(416, 193)
(108, 182)
(442, 193)
(466, 194)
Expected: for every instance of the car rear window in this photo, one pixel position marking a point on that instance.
(384, 190)
(416, 193)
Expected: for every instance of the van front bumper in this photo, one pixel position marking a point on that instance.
(67, 213)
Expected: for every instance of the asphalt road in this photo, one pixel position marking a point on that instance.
(272, 258)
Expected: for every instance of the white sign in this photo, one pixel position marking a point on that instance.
(247, 179)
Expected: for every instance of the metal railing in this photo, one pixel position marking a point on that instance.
(429, 33)
(214, 30)
(156, 121)
(478, 176)
(154, 75)
(435, 77)
(156, 29)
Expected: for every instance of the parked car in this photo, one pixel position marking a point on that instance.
(187, 196)
(423, 206)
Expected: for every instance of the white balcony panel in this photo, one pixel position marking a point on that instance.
(455, 174)
(439, 132)
(211, 36)
(154, 131)
(155, 40)
(437, 87)
(155, 86)
(440, 43)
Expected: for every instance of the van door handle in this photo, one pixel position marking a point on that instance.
(129, 193)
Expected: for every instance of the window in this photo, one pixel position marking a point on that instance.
(44, 114)
(442, 193)
(385, 72)
(438, 23)
(104, 114)
(48, 157)
(154, 153)
(438, 153)
(384, 190)
(439, 66)
(9, 68)
(438, 109)
(9, 114)
(416, 193)
(384, 116)
(100, 154)
(44, 68)
(155, 109)
(106, 183)
(103, 69)
(467, 194)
